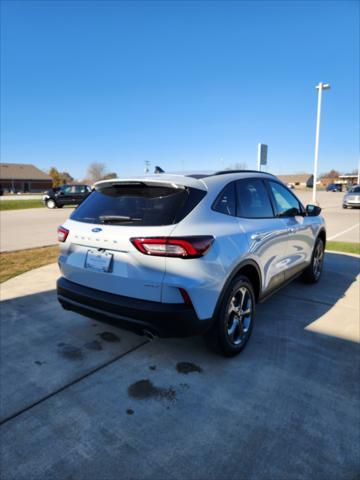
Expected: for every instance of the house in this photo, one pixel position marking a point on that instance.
(350, 178)
(23, 177)
(299, 179)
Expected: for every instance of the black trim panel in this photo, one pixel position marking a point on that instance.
(161, 319)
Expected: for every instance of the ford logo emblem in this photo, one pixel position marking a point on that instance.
(95, 230)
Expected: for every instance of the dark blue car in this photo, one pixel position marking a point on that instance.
(334, 187)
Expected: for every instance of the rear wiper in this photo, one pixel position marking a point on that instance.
(117, 219)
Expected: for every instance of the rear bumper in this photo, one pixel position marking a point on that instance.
(161, 319)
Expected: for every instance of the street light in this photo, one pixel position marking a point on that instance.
(320, 88)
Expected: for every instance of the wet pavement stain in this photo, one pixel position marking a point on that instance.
(152, 367)
(94, 345)
(109, 337)
(70, 352)
(188, 367)
(144, 390)
(130, 411)
(37, 362)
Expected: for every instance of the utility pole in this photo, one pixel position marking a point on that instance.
(320, 88)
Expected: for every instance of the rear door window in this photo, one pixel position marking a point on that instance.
(253, 199)
(226, 201)
(137, 204)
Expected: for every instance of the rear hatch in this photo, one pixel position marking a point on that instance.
(98, 252)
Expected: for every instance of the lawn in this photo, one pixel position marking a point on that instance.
(14, 263)
(20, 204)
(346, 247)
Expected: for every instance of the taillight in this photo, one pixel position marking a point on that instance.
(62, 234)
(181, 247)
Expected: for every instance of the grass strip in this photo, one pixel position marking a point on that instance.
(15, 263)
(346, 247)
(20, 204)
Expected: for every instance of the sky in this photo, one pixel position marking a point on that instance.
(192, 85)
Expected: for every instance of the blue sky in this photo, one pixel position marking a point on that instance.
(192, 85)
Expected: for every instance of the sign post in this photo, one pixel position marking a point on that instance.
(262, 155)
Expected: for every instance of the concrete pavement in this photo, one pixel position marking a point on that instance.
(24, 196)
(85, 400)
(30, 228)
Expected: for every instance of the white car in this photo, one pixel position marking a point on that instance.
(174, 255)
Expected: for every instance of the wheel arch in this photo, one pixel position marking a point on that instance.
(251, 270)
(322, 235)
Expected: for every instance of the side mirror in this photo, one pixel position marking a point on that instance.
(312, 210)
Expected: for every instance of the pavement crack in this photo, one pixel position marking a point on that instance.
(70, 384)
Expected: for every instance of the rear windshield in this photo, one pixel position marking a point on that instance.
(137, 204)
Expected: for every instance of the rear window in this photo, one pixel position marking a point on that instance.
(137, 204)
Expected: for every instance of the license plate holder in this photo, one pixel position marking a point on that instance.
(98, 260)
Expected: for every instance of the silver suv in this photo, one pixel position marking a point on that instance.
(175, 255)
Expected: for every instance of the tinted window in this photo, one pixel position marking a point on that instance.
(81, 189)
(286, 203)
(226, 202)
(253, 199)
(66, 189)
(355, 190)
(137, 205)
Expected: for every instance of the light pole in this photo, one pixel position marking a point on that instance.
(320, 88)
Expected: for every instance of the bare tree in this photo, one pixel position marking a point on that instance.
(237, 166)
(96, 171)
(109, 176)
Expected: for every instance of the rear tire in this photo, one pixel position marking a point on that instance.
(313, 272)
(51, 203)
(234, 321)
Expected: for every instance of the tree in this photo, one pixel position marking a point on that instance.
(332, 174)
(110, 175)
(96, 171)
(237, 166)
(66, 177)
(56, 177)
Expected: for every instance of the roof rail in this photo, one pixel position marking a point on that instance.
(223, 172)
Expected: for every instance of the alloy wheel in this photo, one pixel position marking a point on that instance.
(239, 316)
(318, 259)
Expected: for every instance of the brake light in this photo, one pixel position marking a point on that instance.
(62, 234)
(181, 247)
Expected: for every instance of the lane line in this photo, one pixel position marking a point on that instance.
(344, 231)
(74, 382)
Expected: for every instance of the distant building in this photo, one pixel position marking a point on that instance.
(349, 179)
(23, 177)
(299, 180)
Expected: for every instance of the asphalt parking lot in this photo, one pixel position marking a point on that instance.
(36, 227)
(85, 400)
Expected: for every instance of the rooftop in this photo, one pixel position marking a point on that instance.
(21, 171)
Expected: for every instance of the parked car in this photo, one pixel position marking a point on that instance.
(352, 197)
(334, 187)
(291, 186)
(66, 195)
(175, 255)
